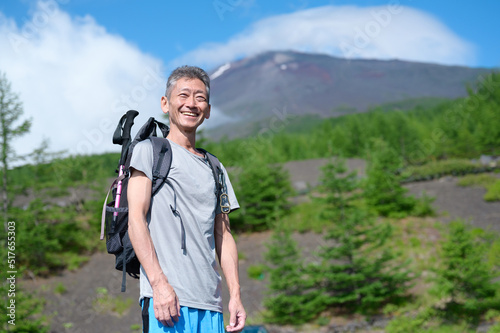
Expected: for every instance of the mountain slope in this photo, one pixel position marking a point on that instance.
(275, 83)
(78, 306)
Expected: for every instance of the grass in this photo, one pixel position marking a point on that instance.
(60, 289)
(73, 261)
(256, 319)
(306, 217)
(256, 272)
(241, 255)
(493, 192)
(106, 303)
(487, 181)
(136, 328)
(414, 239)
(68, 325)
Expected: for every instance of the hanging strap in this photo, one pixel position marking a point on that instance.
(183, 230)
(124, 271)
(178, 215)
(103, 216)
(220, 182)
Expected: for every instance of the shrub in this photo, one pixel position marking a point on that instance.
(493, 193)
(28, 308)
(423, 206)
(437, 169)
(483, 180)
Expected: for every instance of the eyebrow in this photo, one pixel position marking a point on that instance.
(195, 92)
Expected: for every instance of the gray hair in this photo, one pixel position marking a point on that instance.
(189, 72)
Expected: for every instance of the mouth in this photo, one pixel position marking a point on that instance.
(189, 114)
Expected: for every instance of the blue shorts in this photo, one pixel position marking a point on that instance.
(190, 321)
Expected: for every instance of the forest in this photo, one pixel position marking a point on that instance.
(363, 267)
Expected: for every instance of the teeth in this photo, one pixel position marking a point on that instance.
(189, 114)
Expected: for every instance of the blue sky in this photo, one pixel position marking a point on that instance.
(91, 60)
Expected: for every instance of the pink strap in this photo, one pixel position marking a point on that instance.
(103, 216)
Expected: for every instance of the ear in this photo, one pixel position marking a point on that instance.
(207, 115)
(164, 104)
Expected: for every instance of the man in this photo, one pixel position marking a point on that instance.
(180, 285)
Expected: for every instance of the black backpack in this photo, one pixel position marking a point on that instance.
(114, 221)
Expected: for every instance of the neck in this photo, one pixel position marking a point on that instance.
(184, 139)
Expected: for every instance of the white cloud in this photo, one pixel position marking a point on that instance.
(76, 80)
(384, 32)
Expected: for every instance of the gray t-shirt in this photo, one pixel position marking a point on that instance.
(191, 191)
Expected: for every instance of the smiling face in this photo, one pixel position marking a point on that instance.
(187, 105)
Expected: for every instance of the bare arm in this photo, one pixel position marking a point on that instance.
(166, 303)
(228, 259)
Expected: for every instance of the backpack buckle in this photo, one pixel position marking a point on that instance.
(224, 203)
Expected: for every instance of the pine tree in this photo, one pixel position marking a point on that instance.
(263, 191)
(464, 277)
(382, 189)
(337, 187)
(357, 272)
(292, 298)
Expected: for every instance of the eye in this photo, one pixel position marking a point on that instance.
(200, 98)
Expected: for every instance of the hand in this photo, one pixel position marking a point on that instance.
(166, 304)
(237, 316)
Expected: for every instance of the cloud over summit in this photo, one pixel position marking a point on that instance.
(383, 32)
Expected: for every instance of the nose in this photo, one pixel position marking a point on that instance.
(190, 101)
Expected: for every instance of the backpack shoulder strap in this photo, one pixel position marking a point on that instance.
(162, 160)
(220, 181)
(214, 163)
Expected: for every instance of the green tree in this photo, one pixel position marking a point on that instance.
(263, 191)
(292, 298)
(483, 103)
(464, 279)
(358, 272)
(382, 188)
(357, 134)
(487, 134)
(337, 187)
(11, 110)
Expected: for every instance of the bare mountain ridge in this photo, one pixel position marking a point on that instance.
(313, 84)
